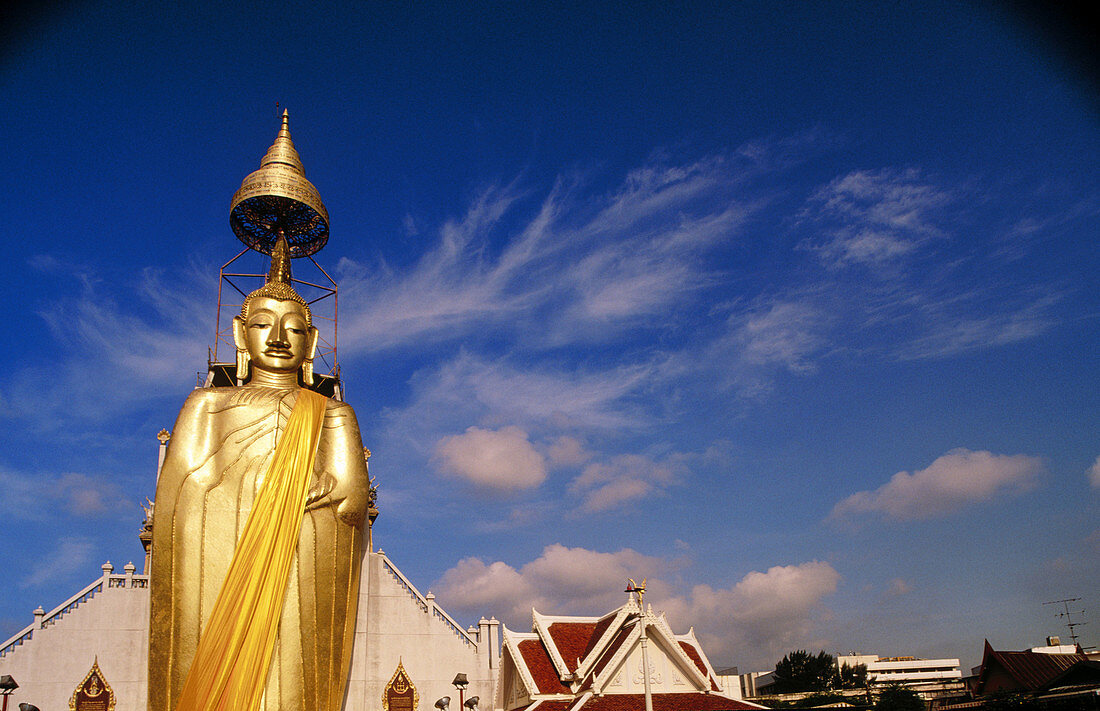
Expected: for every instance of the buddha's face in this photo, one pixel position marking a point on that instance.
(277, 335)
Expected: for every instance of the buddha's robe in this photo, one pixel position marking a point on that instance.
(219, 451)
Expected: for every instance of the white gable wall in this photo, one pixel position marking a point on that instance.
(513, 689)
(666, 675)
(113, 625)
(397, 623)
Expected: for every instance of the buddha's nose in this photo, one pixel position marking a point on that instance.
(278, 336)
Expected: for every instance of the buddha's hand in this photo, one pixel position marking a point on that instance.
(347, 494)
(353, 502)
(320, 491)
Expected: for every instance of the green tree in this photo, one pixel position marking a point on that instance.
(802, 671)
(899, 698)
(849, 677)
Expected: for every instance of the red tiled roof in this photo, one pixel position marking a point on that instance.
(664, 702)
(542, 669)
(598, 632)
(572, 640)
(1030, 669)
(692, 652)
(610, 649)
(554, 705)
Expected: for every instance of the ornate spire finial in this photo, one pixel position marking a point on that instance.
(282, 151)
(278, 200)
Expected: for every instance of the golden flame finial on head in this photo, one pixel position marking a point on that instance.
(279, 282)
(280, 264)
(279, 287)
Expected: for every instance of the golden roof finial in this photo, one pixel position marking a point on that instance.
(282, 150)
(278, 200)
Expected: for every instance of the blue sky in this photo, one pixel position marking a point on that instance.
(790, 308)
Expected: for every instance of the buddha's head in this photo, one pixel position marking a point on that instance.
(274, 332)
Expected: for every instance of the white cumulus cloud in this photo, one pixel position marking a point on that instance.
(760, 616)
(567, 451)
(562, 580)
(1094, 473)
(954, 480)
(624, 478)
(755, 620)
(501, 459)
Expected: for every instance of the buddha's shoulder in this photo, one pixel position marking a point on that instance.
(223, 397)
(338, 408)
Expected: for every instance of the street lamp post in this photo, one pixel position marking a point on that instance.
(460, 682)
(633, 588)
(7, 685)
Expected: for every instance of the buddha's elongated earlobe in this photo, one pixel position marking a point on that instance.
(311, 351)
(243, 361)
(243, 358)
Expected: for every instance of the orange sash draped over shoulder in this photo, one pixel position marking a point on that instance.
(231, 662)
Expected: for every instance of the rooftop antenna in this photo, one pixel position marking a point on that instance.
(1068, 615)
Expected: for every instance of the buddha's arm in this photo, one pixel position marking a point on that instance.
(189, 445)
(341, 462)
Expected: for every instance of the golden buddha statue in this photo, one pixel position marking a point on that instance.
(222, 459)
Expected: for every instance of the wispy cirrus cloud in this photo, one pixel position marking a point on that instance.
(581, 265)
(874, 217)
(955, 480)
(935, 289)
(44, 496)
(952, 328)
(113, 347)
(578, 269)
(69, 555)
(786, 334)
(471, 389)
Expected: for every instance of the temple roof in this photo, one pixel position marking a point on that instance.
(568, 663)
(1031, 670)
